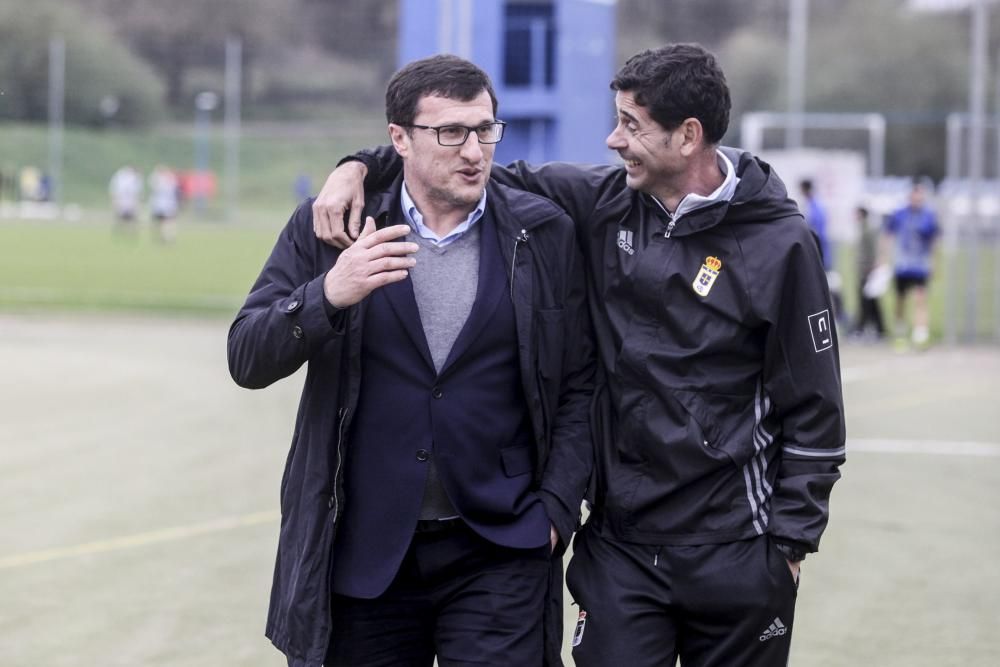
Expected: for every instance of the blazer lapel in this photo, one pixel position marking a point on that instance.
(491, 288)
(403, 302)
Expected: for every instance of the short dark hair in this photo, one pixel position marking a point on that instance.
(806, 185)
(443, 75)
(677, 82)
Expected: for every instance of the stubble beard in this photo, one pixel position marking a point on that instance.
(456, 199)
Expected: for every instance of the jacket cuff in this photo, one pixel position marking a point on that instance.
(565, 520)
(308, 306)
(372, 165)
(336, 316)
(790, 549)
(357, 157)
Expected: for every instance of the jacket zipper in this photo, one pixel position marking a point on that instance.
(523, 238)
(519, 239)
(670, 229)
(342, 415)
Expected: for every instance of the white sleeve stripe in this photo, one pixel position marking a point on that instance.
(815, 453)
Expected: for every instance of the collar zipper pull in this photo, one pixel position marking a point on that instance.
(522, 238)
(670, 229)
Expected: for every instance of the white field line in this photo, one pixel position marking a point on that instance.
(43, 295)
(850, 374)
(936, 447)
(139, 539)
(880, 446)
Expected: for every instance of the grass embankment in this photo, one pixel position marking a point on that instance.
(85, 264)
(207, 270)
(271, 156)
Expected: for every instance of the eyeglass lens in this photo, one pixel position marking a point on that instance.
(456, 135)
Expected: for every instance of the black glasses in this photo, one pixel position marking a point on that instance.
(457, 135)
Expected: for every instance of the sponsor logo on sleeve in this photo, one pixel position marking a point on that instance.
(819, 327)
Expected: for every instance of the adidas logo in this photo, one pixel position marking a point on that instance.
(776, 629)
(625, 241)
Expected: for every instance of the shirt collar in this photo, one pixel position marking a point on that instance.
(725, 192)
(416, 220)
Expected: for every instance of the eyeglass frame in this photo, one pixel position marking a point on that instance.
(468, 130)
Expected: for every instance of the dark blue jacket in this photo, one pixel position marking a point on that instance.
(284, 324)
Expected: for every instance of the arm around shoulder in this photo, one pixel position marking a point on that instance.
(578, 189)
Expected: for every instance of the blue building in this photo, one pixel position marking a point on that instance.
(550, 60)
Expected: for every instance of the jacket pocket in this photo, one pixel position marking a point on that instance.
(517, 460)
(728, 423)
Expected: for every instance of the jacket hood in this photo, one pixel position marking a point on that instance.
(760, 196)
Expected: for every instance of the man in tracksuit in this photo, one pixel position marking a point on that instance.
(442, 450)
(720, 426)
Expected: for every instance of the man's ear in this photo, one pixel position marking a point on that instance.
(692, 136)
(400, 138)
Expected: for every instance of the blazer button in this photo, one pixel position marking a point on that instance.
(297, 331)
(423, 455)
(437, 393)
(292, 305)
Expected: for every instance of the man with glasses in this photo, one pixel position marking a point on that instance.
(441, 450)
(720, 430)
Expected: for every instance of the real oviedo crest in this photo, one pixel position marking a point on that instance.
(706, 277)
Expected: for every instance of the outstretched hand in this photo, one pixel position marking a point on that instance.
(374, 260)
(343, 193)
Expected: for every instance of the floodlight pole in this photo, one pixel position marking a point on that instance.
(204, 103)
(57, 97)
(996, 245)
(231, 124)
(798, 28)
(977, 113)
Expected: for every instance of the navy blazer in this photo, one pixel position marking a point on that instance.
(471, 418)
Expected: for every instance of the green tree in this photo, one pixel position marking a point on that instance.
(177, 36)
(97, 66)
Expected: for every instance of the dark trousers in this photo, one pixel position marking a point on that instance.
(458, 597)
(721, 605)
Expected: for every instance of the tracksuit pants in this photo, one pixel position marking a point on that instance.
(719, 605)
